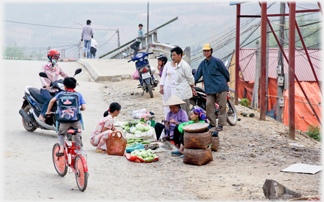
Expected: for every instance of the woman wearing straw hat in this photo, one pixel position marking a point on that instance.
(174, 117)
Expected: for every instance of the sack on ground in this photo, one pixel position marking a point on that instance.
(197, 156)
(116, 144)
(68, 107)
(197, 140)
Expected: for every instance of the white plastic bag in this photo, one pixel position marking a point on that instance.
(162, 135)
(138, 113)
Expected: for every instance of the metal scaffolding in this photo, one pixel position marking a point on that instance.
(291, 61)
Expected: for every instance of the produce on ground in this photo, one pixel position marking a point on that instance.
(146, 155)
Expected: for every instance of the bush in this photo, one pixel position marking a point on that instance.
(314, 132)
(245, 102)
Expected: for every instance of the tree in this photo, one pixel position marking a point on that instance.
(14, 51)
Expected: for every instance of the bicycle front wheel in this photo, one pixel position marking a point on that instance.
(81, 176)
(59, 161)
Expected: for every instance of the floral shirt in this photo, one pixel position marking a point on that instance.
(107, 122)
(52, 73)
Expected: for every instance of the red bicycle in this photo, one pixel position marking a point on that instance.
(75, 159)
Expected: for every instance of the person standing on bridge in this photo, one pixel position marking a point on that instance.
(93, 48)
(138, 40)
(215, 77)
(87, 33)
(184, 80)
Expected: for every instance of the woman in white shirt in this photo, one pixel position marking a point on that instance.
(167, 83)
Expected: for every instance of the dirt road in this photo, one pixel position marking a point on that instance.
(250, 152)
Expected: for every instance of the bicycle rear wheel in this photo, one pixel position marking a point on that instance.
(81, 176)
(59, 161)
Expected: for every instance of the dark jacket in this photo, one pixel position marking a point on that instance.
(215, 75)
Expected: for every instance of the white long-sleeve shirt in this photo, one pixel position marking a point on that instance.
(168, 75)
(183, 81)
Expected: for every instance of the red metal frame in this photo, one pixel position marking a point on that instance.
(237, 50)
(263, 54)
(292, 75)
(291, 90)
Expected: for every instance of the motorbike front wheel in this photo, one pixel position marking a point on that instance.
(25, 124)
(231, 113)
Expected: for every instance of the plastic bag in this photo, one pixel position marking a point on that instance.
(116, 144)
(138, 113)
(135, 75)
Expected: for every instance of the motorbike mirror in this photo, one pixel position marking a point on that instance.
(43, 74)
(77, 71)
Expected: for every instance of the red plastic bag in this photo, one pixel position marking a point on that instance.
(135, 75)
(116, 144)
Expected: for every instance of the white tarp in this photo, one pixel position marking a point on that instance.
(303, 168)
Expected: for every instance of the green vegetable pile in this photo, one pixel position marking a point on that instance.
(131, 141)
(138, 129)
(146, 155)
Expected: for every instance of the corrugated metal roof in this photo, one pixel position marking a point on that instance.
(303, 69)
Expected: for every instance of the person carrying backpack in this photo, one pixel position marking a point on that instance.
(68, 112)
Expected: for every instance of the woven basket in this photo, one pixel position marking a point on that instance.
(197, 140)
(197, 156)
(215, 143)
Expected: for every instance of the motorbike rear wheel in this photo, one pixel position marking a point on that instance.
(149, 89)
(25, 124)
(231, 113)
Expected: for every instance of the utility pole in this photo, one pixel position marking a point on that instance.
(280, 69)
(80, 42)
(255, 96)
(267, 67)
(147, 32)
(117, 31)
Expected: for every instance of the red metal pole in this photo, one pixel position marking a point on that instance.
(237, 50)
(320, 7)
(291, 90)
(263, 60)
(306, 51)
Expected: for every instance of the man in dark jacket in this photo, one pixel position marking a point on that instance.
(215, 77)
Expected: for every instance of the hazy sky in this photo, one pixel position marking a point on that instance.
(197, 23)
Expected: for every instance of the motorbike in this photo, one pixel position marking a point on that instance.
(32, 106)
(147, 81)
(200, 101)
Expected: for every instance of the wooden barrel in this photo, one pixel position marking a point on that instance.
(215, 143)
(197, 156)
(197, 140)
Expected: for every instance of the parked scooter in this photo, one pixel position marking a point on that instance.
(147, 81)
(32, 105)
(200, 101)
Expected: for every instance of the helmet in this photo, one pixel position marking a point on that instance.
(163, 58)
(207, 47)
(53, 53)
(193, 71)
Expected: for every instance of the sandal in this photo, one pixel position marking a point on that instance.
(59, 154)
(98, 150)
(176, 153)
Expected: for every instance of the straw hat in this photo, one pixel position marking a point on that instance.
(174, 100)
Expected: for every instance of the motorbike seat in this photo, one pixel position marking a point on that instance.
(199, 89)
(35, 92)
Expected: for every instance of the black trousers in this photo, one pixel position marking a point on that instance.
(158, 130)
(178, 136)
(135, 47)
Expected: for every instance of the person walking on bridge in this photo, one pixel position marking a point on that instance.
(138, 40)
(215, 77)
(86, 34)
